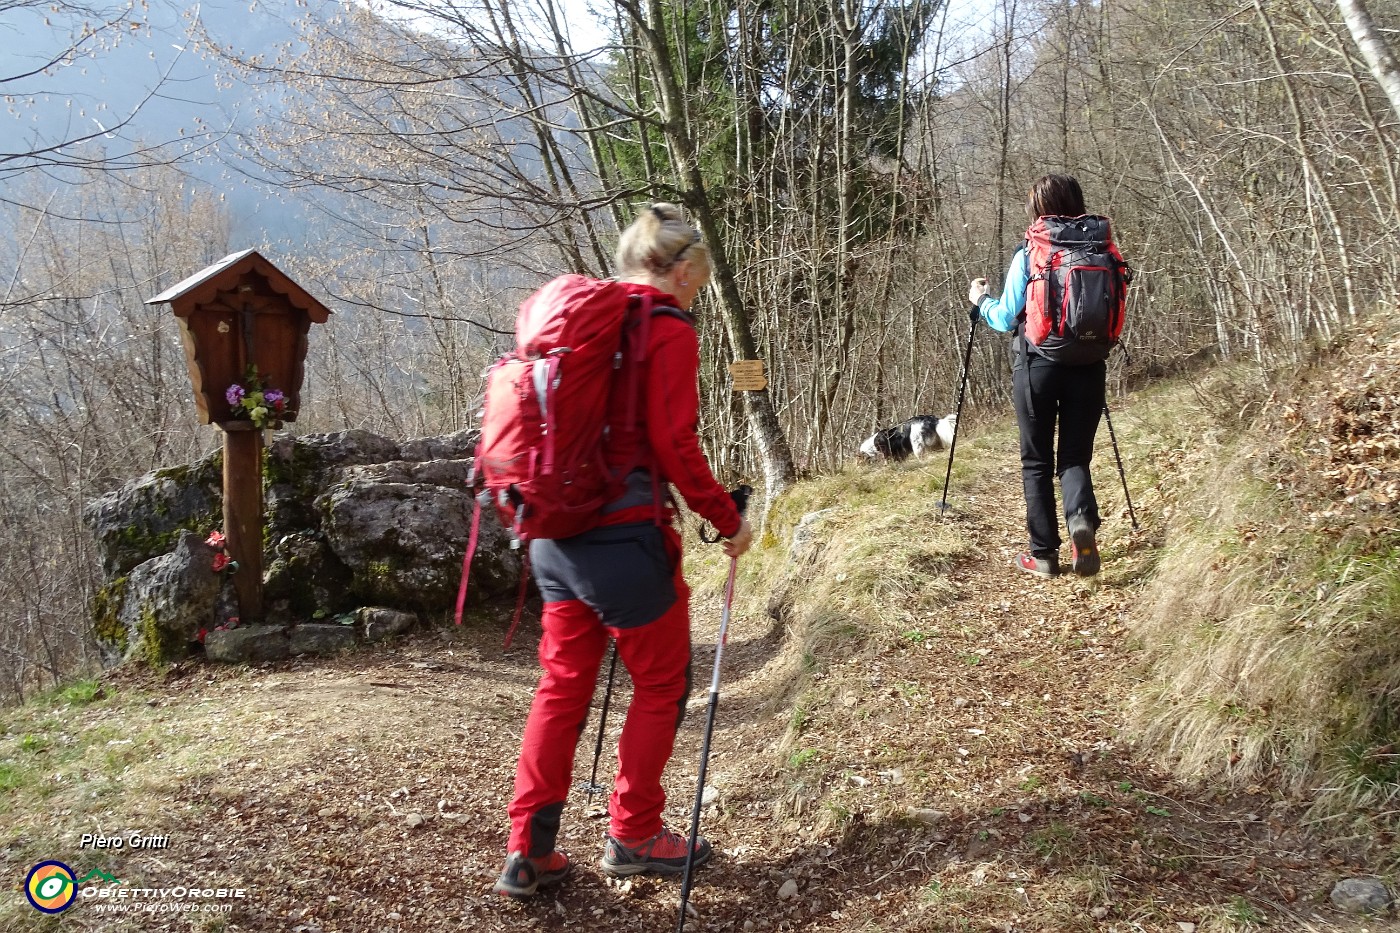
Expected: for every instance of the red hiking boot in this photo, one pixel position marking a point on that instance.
(523, 876)
(663, 853)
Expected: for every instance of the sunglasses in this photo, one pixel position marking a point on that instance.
(695, 236)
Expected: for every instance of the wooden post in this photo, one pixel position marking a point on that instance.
(243, 515)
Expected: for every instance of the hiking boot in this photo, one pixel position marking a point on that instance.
(1040, 566)
(663, 853)
(523, 876)
(1083, 547)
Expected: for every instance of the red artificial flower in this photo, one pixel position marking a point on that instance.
(202, 633)
(216, 540)
(221, 561)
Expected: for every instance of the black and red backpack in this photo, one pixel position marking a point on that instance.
(541, 460)
(1076, 295)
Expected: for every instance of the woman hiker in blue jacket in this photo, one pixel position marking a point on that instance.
(1046, 392)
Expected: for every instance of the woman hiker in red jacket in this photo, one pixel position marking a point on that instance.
(623, 580)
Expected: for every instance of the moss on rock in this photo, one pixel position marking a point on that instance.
(106, 608)
(158, 645)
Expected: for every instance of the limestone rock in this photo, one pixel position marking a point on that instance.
(247, 644)
(299, 469)
(377, 623)
(1360, 895)
(353, 519)
(805, 534)
(142, 519)
(305, 580)
(402, 529)
(458, 446)
(341, 448)
(321, 639)
(926, 815)
(168, 599)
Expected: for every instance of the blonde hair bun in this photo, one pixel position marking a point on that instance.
(657, 239)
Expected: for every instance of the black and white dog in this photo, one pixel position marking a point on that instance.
(920, 434)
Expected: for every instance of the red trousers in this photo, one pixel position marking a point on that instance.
(657, 656)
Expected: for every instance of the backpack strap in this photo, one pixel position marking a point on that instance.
(676, 313)
(520, 597)
(472, 540)
(546, 375)
(636, 332)
(642, 310)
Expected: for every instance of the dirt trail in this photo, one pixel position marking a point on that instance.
(960, 772)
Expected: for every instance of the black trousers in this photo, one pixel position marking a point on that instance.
(1047, 393)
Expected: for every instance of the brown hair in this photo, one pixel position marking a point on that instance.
(1055, 196)
(659, 238)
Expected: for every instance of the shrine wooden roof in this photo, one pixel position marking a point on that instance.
(227, 275)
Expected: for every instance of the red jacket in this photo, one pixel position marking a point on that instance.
(666, 416)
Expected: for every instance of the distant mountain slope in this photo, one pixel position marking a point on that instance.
(148, 84)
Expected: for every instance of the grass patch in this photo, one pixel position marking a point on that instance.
(873, 570)
(1268, 626)
(79, 749)
(1242, 911)
(81, 693)
(1053, 842)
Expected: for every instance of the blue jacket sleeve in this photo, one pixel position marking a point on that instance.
(1001, 313)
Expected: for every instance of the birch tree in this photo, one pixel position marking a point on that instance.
(1373, 48)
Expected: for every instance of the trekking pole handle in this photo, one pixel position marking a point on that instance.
(740, 494)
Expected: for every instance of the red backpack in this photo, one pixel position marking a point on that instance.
(1076, 296)
(541, 457)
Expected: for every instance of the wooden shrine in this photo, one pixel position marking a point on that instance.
(243, 316)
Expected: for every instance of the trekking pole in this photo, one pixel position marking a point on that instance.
(1121, 474)
(593, 787)
(740, 499)
(957, 419)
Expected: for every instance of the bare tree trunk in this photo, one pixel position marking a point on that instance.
(774, 453)
(1008, 12)
(845, 17)
(1311, 175)
(1373, 48)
